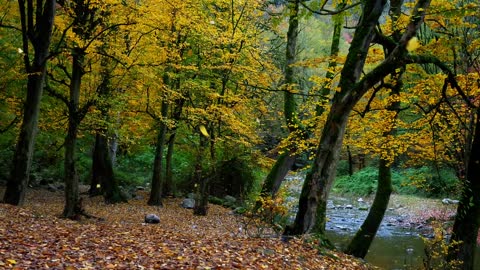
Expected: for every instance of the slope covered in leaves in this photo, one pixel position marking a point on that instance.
(33, 237)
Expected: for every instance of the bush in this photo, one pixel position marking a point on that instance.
(135, 170)
(424, 181)
(234, 177)
(431, 182)
(362, 183)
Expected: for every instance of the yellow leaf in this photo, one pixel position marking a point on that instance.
(11, 261)
(413, 44)
(203, 130)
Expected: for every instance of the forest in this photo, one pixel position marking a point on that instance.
(220, 134)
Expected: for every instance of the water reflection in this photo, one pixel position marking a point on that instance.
(392, 252)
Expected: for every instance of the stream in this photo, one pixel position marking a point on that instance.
(397, 245)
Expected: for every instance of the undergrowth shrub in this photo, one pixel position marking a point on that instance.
(424, 181)
(431, 182)
(264, 218)
(436, 250)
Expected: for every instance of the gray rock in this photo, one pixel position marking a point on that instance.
(152, 219)
(51, 188)
(61, 186)
(230, 199)
(138, 197)
(188, 203)
(348, 206)
(126, 193)
(449, 201)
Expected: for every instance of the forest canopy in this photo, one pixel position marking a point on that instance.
(221, 99)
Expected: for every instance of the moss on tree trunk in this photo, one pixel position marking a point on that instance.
(467, 219)
(362, 240)
(157, 177)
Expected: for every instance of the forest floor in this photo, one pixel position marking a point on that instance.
(35, 237)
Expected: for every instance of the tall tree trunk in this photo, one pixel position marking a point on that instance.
(312, 204)
(285, 161)
(467, 219)
(275, 177)
(313, 198)
(311, 215)
(362, 240)
(157, 178)
(360, 243)
(22, 159)
(168, 187)
(71, 177)
(39, 35)
(102, 170)
(201, 181)
(350, 161)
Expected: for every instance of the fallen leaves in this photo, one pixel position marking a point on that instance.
(34, 238)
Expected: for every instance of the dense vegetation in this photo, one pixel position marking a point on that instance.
(214, 99)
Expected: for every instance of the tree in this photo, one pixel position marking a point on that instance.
(310, 217)
(360, 243)
(82, 25)
(299, 131)
(285, 161)
(36, 20)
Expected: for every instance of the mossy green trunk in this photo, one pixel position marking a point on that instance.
(157, 177)
(168, 188)
(311, 215)
(362, 240)
(285, 161)
(467, 219)
(276, 175)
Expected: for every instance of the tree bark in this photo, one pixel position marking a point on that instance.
(467, 219)
(201, 181)
(201, 200)
(168, 187)
(102, 171)
(39, 35)
(277, 174)
(362, 240)
(71, 176)
(285, 161)
(157, 178)
(360, 243)
(311, 215)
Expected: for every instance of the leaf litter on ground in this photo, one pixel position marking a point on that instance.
(35, 237)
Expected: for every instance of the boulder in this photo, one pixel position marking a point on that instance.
(188, 203)
(152, 219)
(51, 188)
(449, 201)
(230, 200)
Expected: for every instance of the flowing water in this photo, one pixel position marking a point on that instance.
(397, 245)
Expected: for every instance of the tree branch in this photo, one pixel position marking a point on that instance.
(324, 11)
